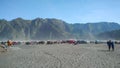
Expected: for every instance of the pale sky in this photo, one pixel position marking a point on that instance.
(70, 11)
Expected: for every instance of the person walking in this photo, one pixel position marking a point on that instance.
(110, 45)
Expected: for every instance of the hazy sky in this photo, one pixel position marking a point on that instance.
(71, 11)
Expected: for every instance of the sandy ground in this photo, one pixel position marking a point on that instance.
(60, 56)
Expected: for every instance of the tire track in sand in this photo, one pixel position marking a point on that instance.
(60, 63)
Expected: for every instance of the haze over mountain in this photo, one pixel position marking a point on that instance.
(115, 34)
(52, 29)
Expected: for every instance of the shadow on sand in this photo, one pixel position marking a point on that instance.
(104, 51)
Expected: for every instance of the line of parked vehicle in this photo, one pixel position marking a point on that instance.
(74, 42)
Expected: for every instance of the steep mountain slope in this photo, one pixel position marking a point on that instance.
(21, 28)
(6, 30)
(89, 30)
(48, 29)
